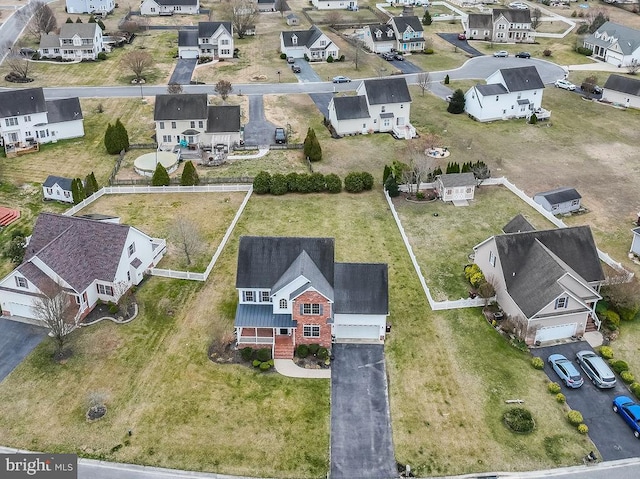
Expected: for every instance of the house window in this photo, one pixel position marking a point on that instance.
(225, 51)
(383, 109)
(67, 194)
(131, 249)
(21, 282)
(49, 191)
(322, 43)
(153, 10)
(575, 202)
(200, 124)
(562, 303)
(27, 118)
(173, 125)
(104, 289)
(311, 309)
(386, 122)
(311, 331)
(193, 124)
(128, 275)
(224, 41)
(248, 296)
(166, 138)
(11, 121)
(492, 258)
(448, 192)
(283, 304)
(161, 125)
(264, 297)
(497, 98)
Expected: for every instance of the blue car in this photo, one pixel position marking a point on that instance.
(566, 370)
(630, 412)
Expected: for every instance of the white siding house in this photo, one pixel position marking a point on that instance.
(169, 7)
(76, 41)
(615, 44)
(57, 188)
(380, 38)
(635, 242)
(313, 43)
(622, 90)
(90, 6)
(501, 25)
(211, 39)
(335, 4)
(559, 201)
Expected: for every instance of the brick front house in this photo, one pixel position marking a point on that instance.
(292, 292)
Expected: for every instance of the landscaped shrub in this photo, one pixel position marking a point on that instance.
(265, 366)
(102, 56)
(304, 183)
(113, 308)
(160, 176)
(246, 354)
(367, 180)
(635, 389)
(330, 59)
(283, 56)
(313, 348)
(537, 362)
(574, 14)
(574, 417)
(278, 184)
(312, 150)
(446, 80)
(391, 185)
(292, 182)
(456, 104)
(189, 175)
(302, 351)
(256, 363)
(547, 53)
(619, 365)
(334, 183)
(582, 29)
(474, 275)
(353, 182)
(428, 51)
(611, 319)
(533, 119)
(606, 352)
(584, 51)
(627, 377)
(560, 398)
(554, 388)
(263, 354)
(318, 183)
(262, 183)
(583, 428)
(341, 59)
(323, 353)
(519, 420)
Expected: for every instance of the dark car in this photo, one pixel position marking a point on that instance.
(630, 412)
(591, 88)
(387, 56)
(280, 136)
(462, 36)
(341, 79)
(398, 57)
(296, 69)
(523, 55)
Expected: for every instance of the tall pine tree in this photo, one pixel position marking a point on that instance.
(122, 135)
(160, 176)
(312, 149)
(77, 190)
(189, 175)
(90, 185)
(110, 140)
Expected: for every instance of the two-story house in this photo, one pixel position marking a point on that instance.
(380, 38)
(615, 44)
(91, 260)
(169, 7)
(76, 41)
(27, 119)
(380, 105)
(335, 4)
(547, 281)
(291, 291)
(409, 33)
(508, 93)
(501, 25)
(211, 39)
(90, 6)
(313, 43)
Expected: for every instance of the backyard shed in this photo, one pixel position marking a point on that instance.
(559, 201)
(456, 186)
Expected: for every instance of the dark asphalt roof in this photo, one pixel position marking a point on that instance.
(480, 20)
(387, 33)
(361, 288)
(185, 106)
(514, 15)
(187, 38)
(404, 23)
(560, 195)
(223, 118)
(65, 109)
(303, 265)
(521, 78)
(452, 180)
(83, 30)
(22, 102)
(65, 183)
(185, 3)
(305, 37)
(261, 316)
(262, 260)
(518, 224)
(491, 89)
(623, 84)
(351, 107)
(387, 90)
(636, 230)
(207, 29)
(628, 39)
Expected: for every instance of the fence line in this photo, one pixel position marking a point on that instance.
(176, 181)
(87, 201)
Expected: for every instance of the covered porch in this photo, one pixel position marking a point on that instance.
(257, 327)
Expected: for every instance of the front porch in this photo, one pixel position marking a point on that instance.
(279, 340)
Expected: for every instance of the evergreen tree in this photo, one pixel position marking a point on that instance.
(78, 20)
(456, 105)
(121, 135)
(386, 173)
(391, 186)
(446, 80)
(160, 176)
(90, 185)
(101, 25)
(92, 19)
(69, 20)
(110, 140)
(312, 149)
(189, 175)
(426, 19)
(77, 190)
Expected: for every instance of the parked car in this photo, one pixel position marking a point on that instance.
(596, 369)
(296, 68)
(387, 56)
(280, 136)
(591, 88)
(565, 369)
(565, 84)
(462, 36)
(501, 54)
(523, 55)
(341, 79)
(291, 60)
(519, 6)
(630, 412)
(398, 57)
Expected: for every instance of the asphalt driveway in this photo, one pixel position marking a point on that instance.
(322, 102)
(607, 430)
(461, 44)
(307, 73)
(17, 340)
(258, 131)
(183, 71)
(361, 443)
(405, 66)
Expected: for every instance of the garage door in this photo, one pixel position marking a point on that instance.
(356, 332)
(556, 332)
(17, 309)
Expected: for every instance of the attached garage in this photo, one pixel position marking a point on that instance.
(17, 309)
(345, 332)
(552, 333)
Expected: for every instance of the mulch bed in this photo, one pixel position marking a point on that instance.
(102, 309)
(429, 195)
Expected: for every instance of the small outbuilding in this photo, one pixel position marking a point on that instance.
(559, 201)
(292, 19)
(58, 189)
(456, 186)
(635, 243)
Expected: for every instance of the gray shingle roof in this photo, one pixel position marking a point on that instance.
(512, 15)
(627, 38)
(303, 265)
(65, 109)
(361, 288)
(517, 225)
(559, 195)
(383, 91)
(37, 276)
(83, 30)
(412, 22)
(224, 118)
(491, 89)
(262, 260)
(388, 34)
(452, 180)
(77, 249)
(304, 37)
(206, 29)
(50, 40)
(351, 107)
(65, 183)
(183, 3)
(482, 21)
(185, 106)
(521, 78)
(22, 102)
(187, 38)
(636, 230)
(623, 84)
(261, 316)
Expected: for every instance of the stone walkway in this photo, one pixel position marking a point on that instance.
(288, 368)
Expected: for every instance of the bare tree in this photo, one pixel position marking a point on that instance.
(281, 6)
(242, 14)
(358, 53)
(124, 297)
(19, 65)
(56, 310)
(633, 67)
(130, 27)
(589, 85)
(186, 237)
(43, 20)
(536, 15)
(487, 290)
(223, 88)
(424, 82)
(138, 62)
(174, 88)
(333, 17)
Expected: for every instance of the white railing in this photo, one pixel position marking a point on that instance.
(87, 201)
(255, 340)
(169, 273)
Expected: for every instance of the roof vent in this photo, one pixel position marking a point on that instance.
(513, 274)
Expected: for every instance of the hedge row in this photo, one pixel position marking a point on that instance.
(279, 184)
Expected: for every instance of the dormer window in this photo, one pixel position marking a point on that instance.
(294, 40)
(389, 33)
(264, 297)
(21, 282)
(248, 297)
(562, 303)
(283, 304)
(378, 33)
(383, 108)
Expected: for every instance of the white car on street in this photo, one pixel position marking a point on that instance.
(519, 6)
(565, 85)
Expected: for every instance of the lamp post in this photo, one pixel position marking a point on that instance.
(278, 76)
(141, 95)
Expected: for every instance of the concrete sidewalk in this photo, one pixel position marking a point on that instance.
(597, 66)
(261, 152)
(288, 368)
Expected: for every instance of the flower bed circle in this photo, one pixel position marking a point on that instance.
(519, 420)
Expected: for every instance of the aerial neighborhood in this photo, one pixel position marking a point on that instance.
(335, 238)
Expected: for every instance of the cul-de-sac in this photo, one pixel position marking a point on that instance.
(324, 238)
